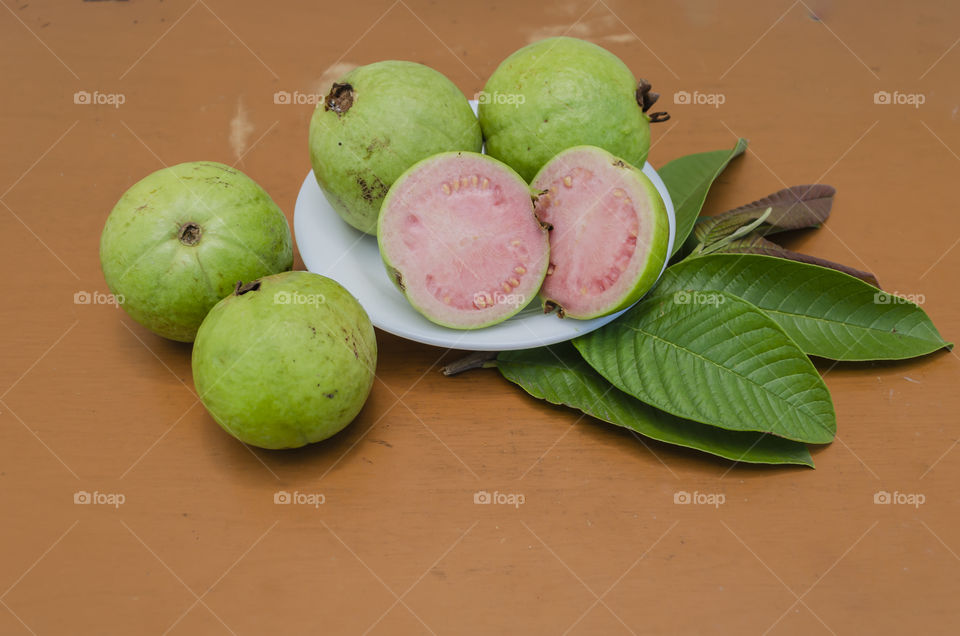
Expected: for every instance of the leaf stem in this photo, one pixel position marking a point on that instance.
(475, 360)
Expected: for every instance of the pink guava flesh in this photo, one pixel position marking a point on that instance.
(459, 236)
(608, 236)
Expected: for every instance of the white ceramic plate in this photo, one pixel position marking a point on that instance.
(329, 246)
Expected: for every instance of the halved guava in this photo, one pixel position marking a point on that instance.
(609, 232)
(459, 237)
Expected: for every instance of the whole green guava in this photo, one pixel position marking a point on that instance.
(563, 92)
(377, 121)
(286, 360)
(179, 239)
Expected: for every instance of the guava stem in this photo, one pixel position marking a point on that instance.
(240, 289)
(646, 98)
(475, 360)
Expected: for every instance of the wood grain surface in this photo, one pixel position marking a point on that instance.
(90, 401)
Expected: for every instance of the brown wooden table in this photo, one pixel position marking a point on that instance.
(93, 402)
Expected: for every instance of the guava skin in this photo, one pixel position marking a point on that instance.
(573, 93)
(179, 239)
(377, 121)
(285, 361)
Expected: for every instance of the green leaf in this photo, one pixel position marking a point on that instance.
(793, 208)
(736, 235)
(688, 179)
(559, 375)
(755, 244)
(716, 359)
(827, 313)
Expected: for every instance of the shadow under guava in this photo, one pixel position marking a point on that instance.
(252, 463)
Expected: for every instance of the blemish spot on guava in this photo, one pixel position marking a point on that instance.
(371, 191)
(375, 145)
(328, 395)
(619, 163)
(398, 277)
(340, 98)
(189, 233)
